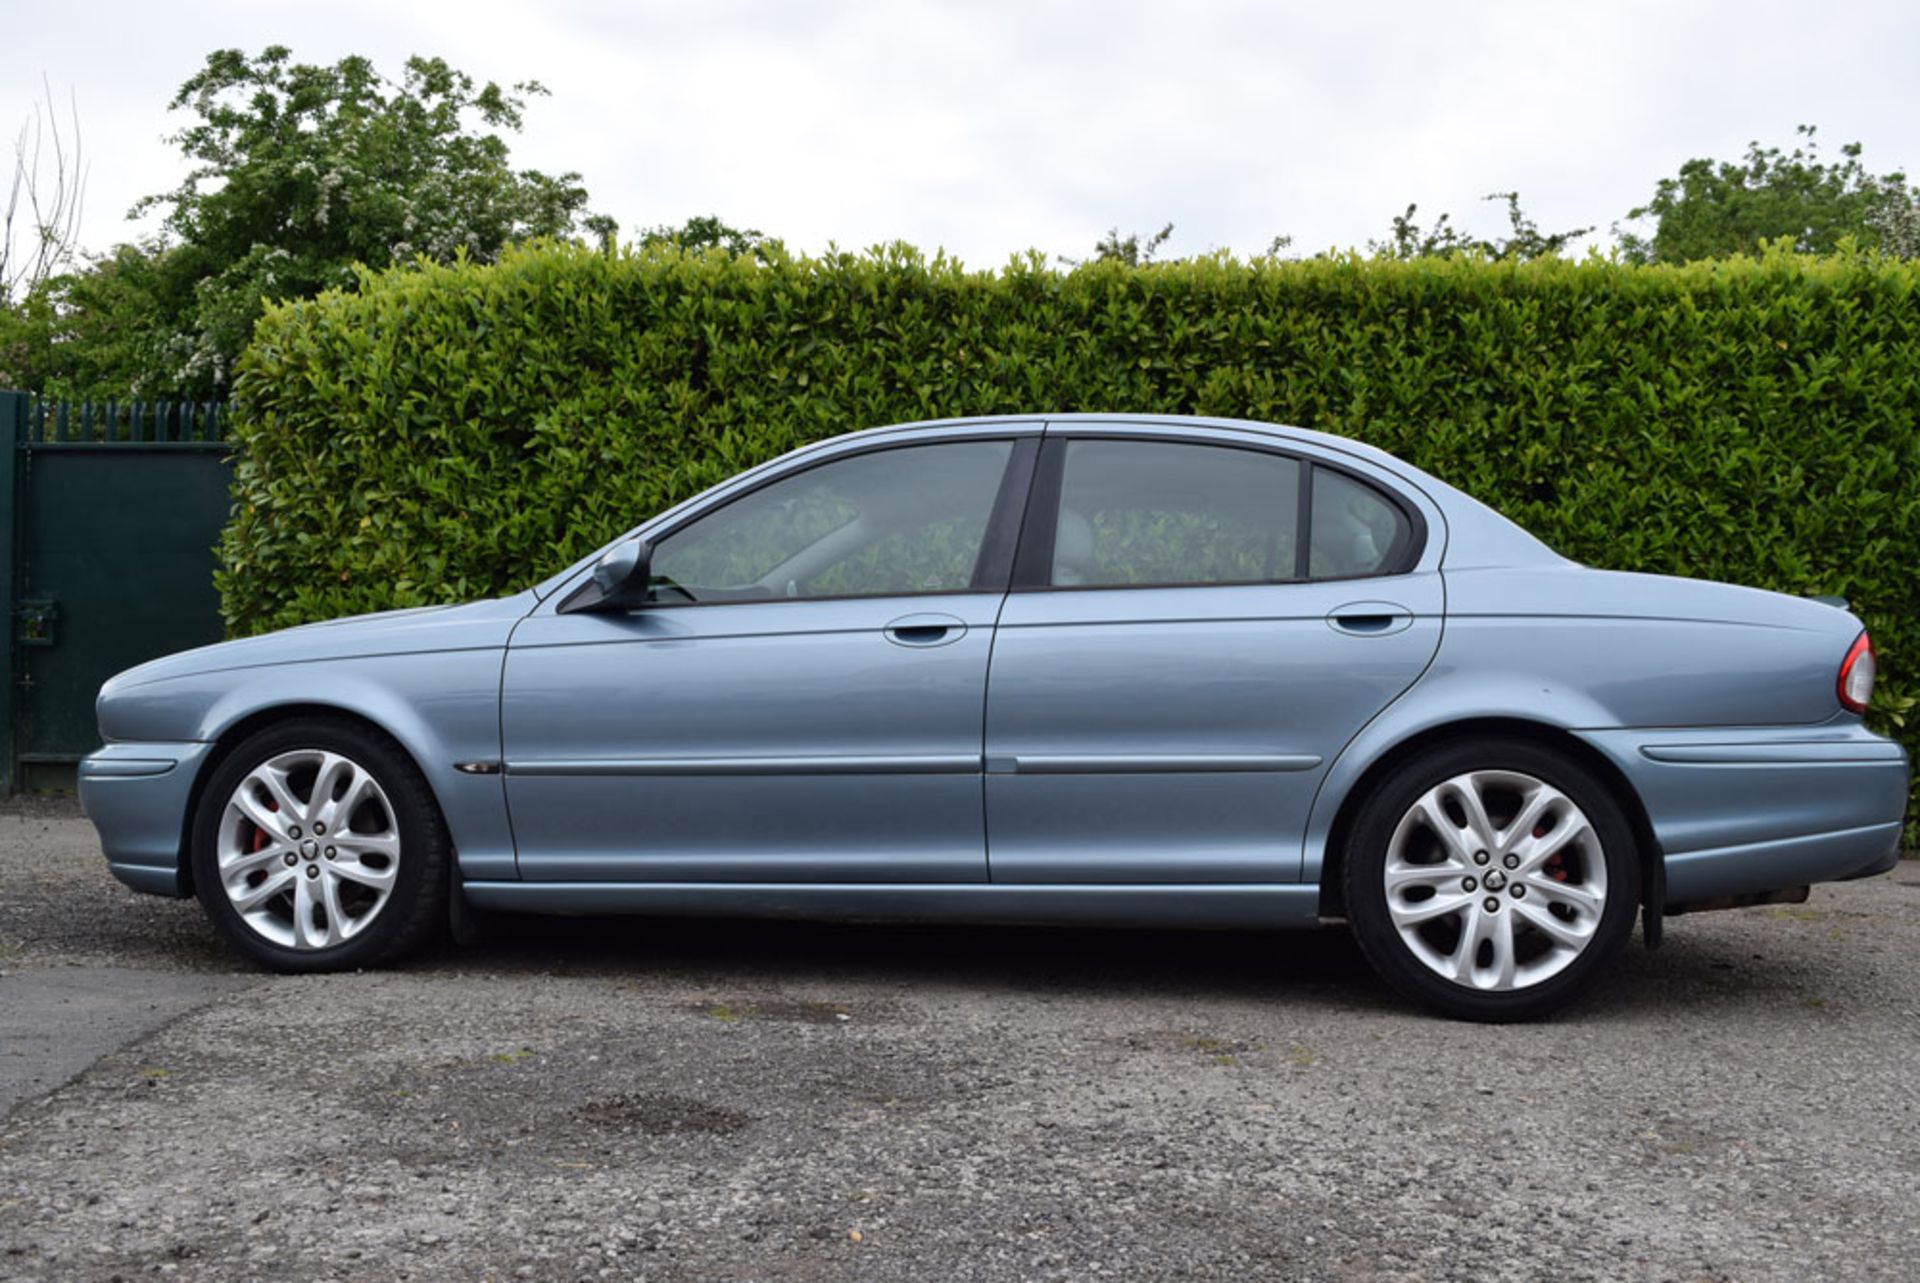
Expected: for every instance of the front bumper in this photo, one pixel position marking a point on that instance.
(137, 797)
(1749, 810)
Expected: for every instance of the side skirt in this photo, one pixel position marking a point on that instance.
(1225, 905)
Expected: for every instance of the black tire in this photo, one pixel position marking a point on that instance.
(416, 906)
(1394, 958)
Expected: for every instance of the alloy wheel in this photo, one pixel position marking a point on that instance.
(308, 849)
(1495, 880)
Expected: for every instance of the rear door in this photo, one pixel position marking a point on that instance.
(1195, 630)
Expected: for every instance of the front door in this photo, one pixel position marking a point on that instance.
(801, 700)
(1195, 632)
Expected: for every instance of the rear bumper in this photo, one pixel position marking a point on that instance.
(1750, 810)
(137, 795)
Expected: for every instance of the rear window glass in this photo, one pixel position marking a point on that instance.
(1356, 529)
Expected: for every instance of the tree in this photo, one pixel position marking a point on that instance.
(103, 331)
(300, 172)
(710, 231)
(1134, 249)
(1712, 209)
(40, 219)
(1524, 240)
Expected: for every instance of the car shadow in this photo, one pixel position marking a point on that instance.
(1078, 960)
(1701, 968)
(1316, 969)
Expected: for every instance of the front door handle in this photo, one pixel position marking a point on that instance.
(926, 630)
(1369, 618)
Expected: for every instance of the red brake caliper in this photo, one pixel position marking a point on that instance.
(260, 834)
(1555, 867)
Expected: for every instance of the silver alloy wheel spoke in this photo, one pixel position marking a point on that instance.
(324, 886)
(266, 818)
(1565, 933)
(1534, 852)
(275, 783)
(1493, 905)
(1538, 807)
(353, 870)
(1574, 897)
(1429, 875)
(1439, 905)
(1479, 829)
(386, 844)
(265, 858)
(1492, 932)
(275, 884)
(1458, 843)
(336, 917)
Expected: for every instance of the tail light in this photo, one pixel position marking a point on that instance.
(1857, 671)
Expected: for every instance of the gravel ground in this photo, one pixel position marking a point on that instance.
(636, 1100)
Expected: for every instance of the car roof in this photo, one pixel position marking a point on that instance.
(1328, 439)
(1389, 463)
(1474, 534)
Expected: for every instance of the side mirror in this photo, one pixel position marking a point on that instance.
(620, 578)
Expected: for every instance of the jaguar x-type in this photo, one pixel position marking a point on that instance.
(1075, 669)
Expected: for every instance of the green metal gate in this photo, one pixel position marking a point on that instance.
(106, 560)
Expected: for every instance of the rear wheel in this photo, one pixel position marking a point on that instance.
(1492, 879)
(318, 847)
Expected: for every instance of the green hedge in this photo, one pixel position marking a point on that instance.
(452, 432)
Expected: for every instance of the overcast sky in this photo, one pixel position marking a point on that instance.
(988, 127)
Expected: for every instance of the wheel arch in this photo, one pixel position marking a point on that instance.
(1332, 865)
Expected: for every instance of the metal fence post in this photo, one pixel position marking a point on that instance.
(13, 420)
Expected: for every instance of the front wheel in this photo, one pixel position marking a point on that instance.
(1492, 879)
(318, 847)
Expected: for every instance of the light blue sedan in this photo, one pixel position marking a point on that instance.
(1096, 669)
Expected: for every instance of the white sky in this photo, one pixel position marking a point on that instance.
(990, 127)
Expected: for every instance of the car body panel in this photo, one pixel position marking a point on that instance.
(1741, 810)
(756, 741)
(129, 713)
(1713, 703)
(441, 705)
(137, 797)
(1586, 650)
(1136, 904)
(1180, 734)
(1725, 874)
(1650, 650)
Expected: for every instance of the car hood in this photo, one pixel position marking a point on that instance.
(476, 625)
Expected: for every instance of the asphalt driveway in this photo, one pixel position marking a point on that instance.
(628, 1099)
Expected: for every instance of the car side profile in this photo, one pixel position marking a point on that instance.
(1060, 669)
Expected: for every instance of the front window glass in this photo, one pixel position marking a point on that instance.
(886, 523)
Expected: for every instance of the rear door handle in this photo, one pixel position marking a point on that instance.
(926, 630)
(1369, 618)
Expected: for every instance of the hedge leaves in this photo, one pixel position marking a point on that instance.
(452, 432)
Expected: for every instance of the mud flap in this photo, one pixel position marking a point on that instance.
(467, 924)
(1653, 909)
